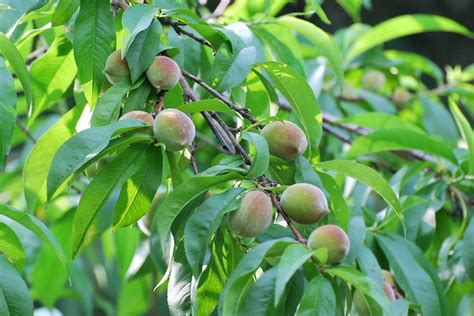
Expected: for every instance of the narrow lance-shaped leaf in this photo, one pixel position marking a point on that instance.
(10, 246)
(7, 111)
(181, 196)
(108, 106)
(94, 41)
(64, 11)
(319, 299)
(399, 139)
(298, 93)
(15, 299)
(14, 58)
(466, 132)
(97, 193)
(203, 224)
(138, 192)
(52, 75)
(364, 284)
(135, 19)
(81, 148)
(235, 287)
(292, 259)
(231, 70)
(367, 176)
(37, 227)
(262, 155)
(402, 26)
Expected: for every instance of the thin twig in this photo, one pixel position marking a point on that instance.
(25, 130)
(193, 158)
(242, 111)
(180, 30)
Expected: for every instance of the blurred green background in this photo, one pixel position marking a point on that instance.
(443, 49)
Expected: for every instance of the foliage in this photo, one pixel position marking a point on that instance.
(98, 217)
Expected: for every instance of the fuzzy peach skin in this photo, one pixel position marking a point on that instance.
(253, 216)
(163, 73)
(285, 139)
(116, 68)
(333, 238)
(174, 129)
(304, 203)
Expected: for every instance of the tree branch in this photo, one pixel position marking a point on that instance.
(25, 130)
(180, 30)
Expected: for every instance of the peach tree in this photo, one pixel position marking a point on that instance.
(171, 157)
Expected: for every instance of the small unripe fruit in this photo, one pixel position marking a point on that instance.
(373, 80)
(174, 129)
(138, 115)
(304, 203)
(92, 170)
(387, 276)
(333, 238)
(401, 96)
(253, 216)
(285, 140)
(116, 68)
(163, 73)
(387, 288)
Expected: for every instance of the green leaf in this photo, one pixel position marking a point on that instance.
(260, 296)
(292, 259)
(438, 122)
(211, 105)
(7, 111)
(137, 98)
(37, 227)
(262, 155)
(108, 106)
(413, 275)
(229, 71)
(215, 37)
(313, 5)
(81, 148)
(467, 250)
(181, 196)
(52, 75)
(364, 284)
(466, 131)
(415, 63)
(15, 298)
(319, 299)
(10, 246)
(97, 193)
(14, 58)
(402, 26)
(339, 206)
(138, 192)
(367, 176)
(320, 39)
(94, 41)
(39, 161)
(377, 120)
(203, 224)
(64, 11)
(235, 289)
(144, 49)
(398, 139)
(135, 19)
(298, 93)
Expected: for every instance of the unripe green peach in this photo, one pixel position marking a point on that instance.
(174, 129)
(285, 139)
(163, 73)
(387, 276)
(304, 203)
(401, 96)
(333, 238)
(116, 68)
(373, 80)
(138, 115)
(253, 216)
(387, 288)
(92, 170)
